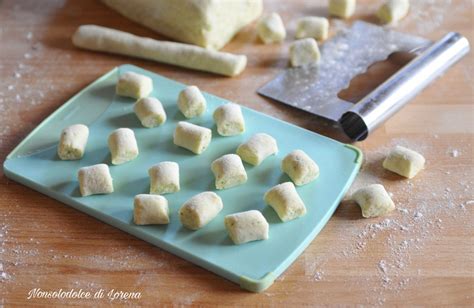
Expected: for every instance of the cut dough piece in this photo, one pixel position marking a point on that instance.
(373, 200)
(271, 29)
(312, 26)
(228, 171)
(150, 210)
(286, 202)
(342, 8)
(300, 167)
(229, 120)
(404, 162)
(150, 112)
(164, 178)
(73, 142)
(393, 10)
(192, 137)
(95, 179)
(304, 52)
(246, 227)
(191, 102)
(123, 146)
(257, 148)
(207, 23)
(134, 85)
(113, 41)
(200, 210)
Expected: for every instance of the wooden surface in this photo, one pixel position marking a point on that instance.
(423, 253)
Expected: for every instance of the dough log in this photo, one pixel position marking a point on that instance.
(114, 41)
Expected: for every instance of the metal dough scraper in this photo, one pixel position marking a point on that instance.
(315, 88)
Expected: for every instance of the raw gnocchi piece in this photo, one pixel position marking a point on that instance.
(373, 200)
(150, 210)
(304, 52)
(271, 29)
(246, 227)
(286, 202)
(150, 112)
(257, 148)
(342, 8)
(228, 171)
(300, 167)
(95, 179)
(312, 26)
(393, 10)
(123, 146)
(134, 85)
(404, 162)
(164, 178)
(192, 137)
(229, 120)
(191, 102)
(73, 142)
(200, 210)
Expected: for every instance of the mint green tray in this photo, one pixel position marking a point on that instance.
(255, 265)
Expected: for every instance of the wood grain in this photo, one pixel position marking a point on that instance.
(402, 259)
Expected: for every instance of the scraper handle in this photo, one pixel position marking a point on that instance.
(394, 93)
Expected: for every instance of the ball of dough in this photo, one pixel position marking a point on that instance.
(150, 112)
(286, 202)
(404, 162)
(228, 171)
(393, 10)
(312, 26)
(191, 102)
(150, 210)
(373, 200)
(164, 178)
(271, 29)
(123, 146)
(200, 210)
(134, 85)
(192, 137)
(246, 227)
(304, 52)
(73, 142)
(300, 167)
(95, 179)
(342, 8)
(257, 148)
(229, 120)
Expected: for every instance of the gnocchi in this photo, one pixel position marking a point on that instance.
(150, 210)
(404, 162)
(95, 179)
(229, 120)
(192, 137)
(200, 210)
(312, 26)
(300, 167)
(73, 142)
(286, 202)
(304, 52)
(164, 178)
(150, 112)
(191, 102)
(246, 227)
(342, 8)
(257, 148)
(393, 10)
(271, 29)
(134, 85)
(228, 171)
(123, 146)
(373, 200)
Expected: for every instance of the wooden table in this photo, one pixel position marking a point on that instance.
(423, 253)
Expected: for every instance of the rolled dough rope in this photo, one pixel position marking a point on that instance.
(150, 112)
(373, 200)
(113, 41)
(150, 210)
(246, 227)
(122, 145)
(164, 178)
(73, 142)
(200, 210)
(404, 162)
(95, 179)
(257, 148)
(286, 202)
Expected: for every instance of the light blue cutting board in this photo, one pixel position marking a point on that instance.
(255, 265)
